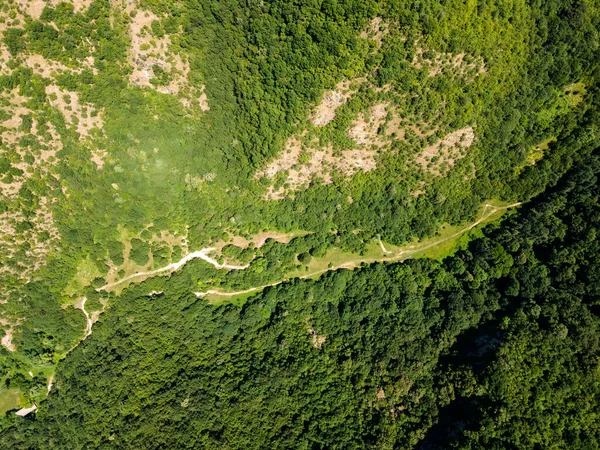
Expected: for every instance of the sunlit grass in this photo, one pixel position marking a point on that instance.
(575, 93)
(9, 399)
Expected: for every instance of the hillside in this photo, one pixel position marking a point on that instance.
(191, 191)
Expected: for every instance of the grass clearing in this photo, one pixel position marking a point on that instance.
(238, 300)
(538, 151)
(9, 399)
(86, 272)
(575, 93)
(336, 257)
(567, 100)
(259, 239)
(535, 154)
(451, 238)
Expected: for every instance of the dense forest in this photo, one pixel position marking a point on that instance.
(494, 347)
(286, 140)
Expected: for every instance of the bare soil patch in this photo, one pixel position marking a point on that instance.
(376, 30)
(324, 112)
(365, 130)
(6, 341)
(305, 162)
(316, 163)
(317, 340)
(98, 158)
(47, 68)
(4, 60)
(25, 241)
(437, 62)
(285, 161)
(34, 8)
(440, 157)
(203, 99)
(15, 107)
(301, 163)
(152, 56)
(83, 116)
(13, 16)
(44, 156)
(30, 246)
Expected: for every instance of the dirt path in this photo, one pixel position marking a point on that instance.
(383, 249)
(202, 254)
(88, 328)
(488, 210)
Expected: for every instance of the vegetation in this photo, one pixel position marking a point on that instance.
(132, 135)
(495, 346)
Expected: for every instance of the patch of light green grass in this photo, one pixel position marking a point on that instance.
(336, 257)
(575, 93)
(535, 154)
(566, 100)
(237, 300)
(452, 238)
(9, 399)
(86, 272)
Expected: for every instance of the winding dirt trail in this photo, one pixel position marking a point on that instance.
(405, 253)
(202, 254)
(383, 249)
(88, 328)
(351, 264)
